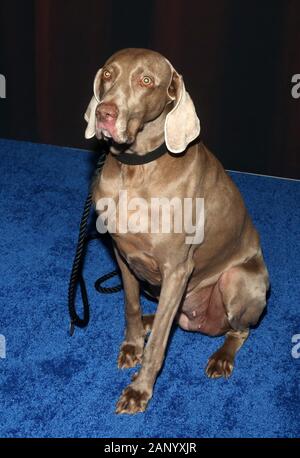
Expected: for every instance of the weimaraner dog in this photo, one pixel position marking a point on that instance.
(217, 286)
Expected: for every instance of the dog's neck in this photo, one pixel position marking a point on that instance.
(151, 136)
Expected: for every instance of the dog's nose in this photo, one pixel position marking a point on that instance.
(107, 112)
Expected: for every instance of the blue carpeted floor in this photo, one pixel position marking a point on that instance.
(56, 386)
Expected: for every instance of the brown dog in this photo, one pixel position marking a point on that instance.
(217, 286)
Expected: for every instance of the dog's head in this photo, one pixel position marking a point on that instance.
(135, 87)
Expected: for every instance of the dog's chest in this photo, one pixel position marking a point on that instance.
(139, 256)
(123, 208)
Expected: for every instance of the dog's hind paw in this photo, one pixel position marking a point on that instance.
(219, 365)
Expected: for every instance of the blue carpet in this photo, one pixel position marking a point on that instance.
(56, 386)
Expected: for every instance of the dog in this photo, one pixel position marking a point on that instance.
(216, 286)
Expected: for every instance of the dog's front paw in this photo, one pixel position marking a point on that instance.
(130, 355)
(133, 400)
(219, 365)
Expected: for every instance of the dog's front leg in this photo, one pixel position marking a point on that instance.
(136, 396)
(132, 348)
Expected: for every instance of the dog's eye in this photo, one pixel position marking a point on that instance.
(106, 75)
(147, 81)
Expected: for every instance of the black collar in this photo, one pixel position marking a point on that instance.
(136, 159)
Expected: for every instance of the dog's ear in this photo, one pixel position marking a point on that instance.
(182, 124)
(90, 114)
(90, 117)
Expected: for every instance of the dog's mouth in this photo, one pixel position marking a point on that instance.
(120, 138)
(118, 130)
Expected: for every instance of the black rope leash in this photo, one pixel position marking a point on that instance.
(77, 275)
(128, 158)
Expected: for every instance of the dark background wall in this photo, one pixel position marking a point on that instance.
(237, 58)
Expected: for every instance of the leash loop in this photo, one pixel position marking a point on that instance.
(76, 273)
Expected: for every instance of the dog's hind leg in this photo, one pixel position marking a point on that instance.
(220, 364)
(243, 289)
